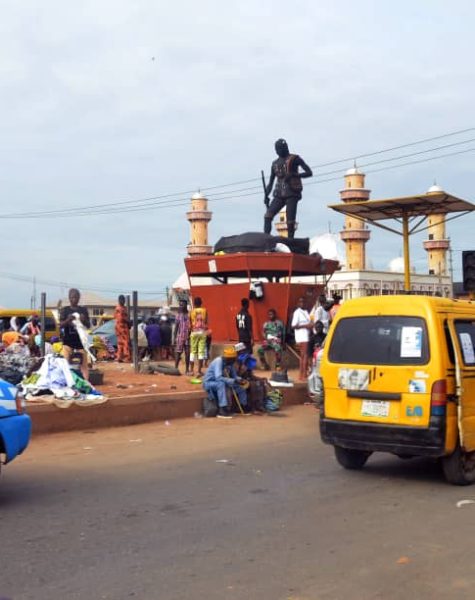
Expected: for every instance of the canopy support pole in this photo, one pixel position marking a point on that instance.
(407, 260)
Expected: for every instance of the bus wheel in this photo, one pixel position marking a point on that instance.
(351, 459)
(459, 467)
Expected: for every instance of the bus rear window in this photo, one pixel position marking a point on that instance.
(380, 340)
(466, 335)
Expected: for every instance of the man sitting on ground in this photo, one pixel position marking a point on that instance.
(220, 377)
(273, 333)
(256, 387)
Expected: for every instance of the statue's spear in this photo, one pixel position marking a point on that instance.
(266, 197)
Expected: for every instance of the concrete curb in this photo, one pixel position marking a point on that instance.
(132, 410)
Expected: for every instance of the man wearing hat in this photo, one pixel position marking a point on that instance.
(254, 386)
(220, 377)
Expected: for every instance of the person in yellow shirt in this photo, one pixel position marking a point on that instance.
(199, 327)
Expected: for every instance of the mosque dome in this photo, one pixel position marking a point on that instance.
(396, 265)
(198, 196)
(353, 171)
(434, 189)
(328, 245)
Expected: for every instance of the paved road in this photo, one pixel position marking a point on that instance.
(147, 512)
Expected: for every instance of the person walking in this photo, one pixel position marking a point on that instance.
(301, 324)
(122, 326)
(244, 325)
(181, 336)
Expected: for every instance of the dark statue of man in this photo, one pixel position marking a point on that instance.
(288, 188)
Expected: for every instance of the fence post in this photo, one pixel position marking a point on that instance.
(43, 323)
(135, 335)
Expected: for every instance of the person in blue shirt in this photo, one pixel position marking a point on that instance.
(220, 377)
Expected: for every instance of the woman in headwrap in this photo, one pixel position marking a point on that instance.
(122, 330)
(13, 336)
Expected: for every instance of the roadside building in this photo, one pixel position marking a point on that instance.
(101, 308)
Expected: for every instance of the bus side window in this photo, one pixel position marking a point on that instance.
(448, 339)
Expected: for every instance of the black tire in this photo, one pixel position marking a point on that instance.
(459, 467)
(351, 459)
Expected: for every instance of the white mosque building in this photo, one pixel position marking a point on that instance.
(356, 277)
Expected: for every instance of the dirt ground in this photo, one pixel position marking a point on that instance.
(120, 380)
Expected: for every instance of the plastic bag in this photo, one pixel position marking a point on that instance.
(210, 407)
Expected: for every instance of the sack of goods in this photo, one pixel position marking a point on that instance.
(273, 400)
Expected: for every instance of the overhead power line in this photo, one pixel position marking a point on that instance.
(64, 284)
(170, 200)
(233, 196)
(424, 141)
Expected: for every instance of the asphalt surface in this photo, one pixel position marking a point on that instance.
(255, 508)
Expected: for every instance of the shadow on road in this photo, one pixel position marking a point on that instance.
(34, 492)
(412, 469)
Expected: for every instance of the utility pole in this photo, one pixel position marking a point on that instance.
(33, 295)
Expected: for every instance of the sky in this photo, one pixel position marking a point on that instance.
(116, 101)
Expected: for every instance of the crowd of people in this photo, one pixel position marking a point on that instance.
(189, 340)
(22, 339)
(311, 328)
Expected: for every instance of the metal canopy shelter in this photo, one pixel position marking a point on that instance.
(409, 212)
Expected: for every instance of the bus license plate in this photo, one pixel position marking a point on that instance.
(375, 408)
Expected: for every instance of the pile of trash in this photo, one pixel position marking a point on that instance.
(56, 383)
